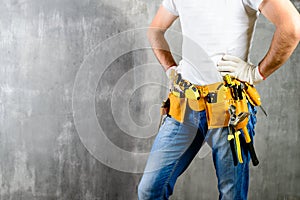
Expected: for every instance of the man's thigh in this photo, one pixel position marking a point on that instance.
(173, 150)
(172, 141)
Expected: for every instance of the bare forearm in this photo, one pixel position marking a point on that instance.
(282, 46)
(285, 17)
(161, 47)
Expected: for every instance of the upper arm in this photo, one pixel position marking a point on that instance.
(163, 19)
(282, 14)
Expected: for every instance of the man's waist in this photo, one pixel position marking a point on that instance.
(198, 74)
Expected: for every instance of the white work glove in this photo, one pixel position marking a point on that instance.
(168, 71)
(171, 73)
(239, 69)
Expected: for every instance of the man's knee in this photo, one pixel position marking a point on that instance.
(144, 191)
(151, 189)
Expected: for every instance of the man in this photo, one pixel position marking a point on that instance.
(222, 30)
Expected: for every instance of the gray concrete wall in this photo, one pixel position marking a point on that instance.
(46, 150)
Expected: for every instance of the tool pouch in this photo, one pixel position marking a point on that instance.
(217, 114)
(217, 105)
(177, 107)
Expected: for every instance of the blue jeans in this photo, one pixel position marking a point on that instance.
(175, 146)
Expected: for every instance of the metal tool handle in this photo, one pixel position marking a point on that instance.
(253, 156)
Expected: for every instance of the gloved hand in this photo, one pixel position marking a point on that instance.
(171, 73)
(169, 70)
(239, 69)
(180, 87)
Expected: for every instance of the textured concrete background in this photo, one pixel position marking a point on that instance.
(42, 46)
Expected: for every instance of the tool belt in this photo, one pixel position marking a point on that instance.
(215, 99)
(226, 105)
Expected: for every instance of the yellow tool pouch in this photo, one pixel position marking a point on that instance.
(217, 114)
(177, 107)
(197, 105)
(217, 103)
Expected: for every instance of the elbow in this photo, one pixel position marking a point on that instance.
(291, 30)
(295, 30)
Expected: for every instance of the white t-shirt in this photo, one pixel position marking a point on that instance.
(212, 28)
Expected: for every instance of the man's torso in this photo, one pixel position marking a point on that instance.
(212, 28)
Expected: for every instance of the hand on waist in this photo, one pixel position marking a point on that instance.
(239, 69)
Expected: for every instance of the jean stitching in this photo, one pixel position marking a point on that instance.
(174, 168)
(177, 161)
(174, 130)
(171, 174)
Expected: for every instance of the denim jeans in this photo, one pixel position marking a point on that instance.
(175, 146)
